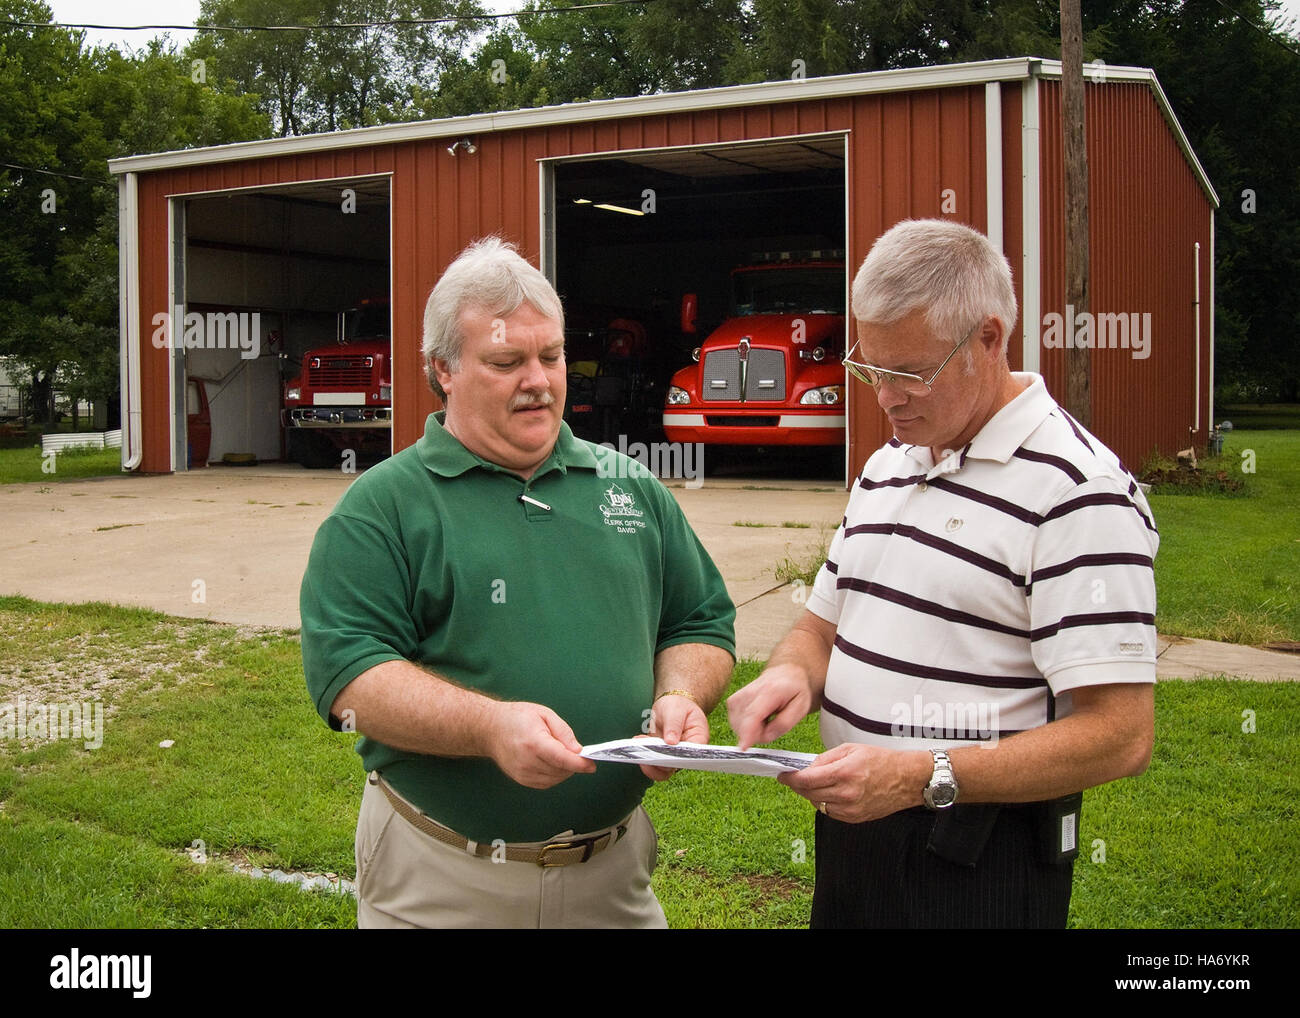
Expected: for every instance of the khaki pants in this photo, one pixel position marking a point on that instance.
(407, 880)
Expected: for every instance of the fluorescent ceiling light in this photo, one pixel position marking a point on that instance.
(619, 208)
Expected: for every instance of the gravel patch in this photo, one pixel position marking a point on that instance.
(54, 661)
(306, 880)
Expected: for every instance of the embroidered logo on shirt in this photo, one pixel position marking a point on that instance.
(1132, 648)
(619, 510)
(954, 523)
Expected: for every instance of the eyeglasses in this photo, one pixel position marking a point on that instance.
(913, 385)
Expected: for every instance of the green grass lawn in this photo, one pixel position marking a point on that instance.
(27, 464)
(95, 837)
(1258, 416)
(1228, 567)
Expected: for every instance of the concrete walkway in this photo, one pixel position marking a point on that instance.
(230, 544)
(1181, 657)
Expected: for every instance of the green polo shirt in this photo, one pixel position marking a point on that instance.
(431, 557)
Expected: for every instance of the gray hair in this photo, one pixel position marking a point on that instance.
(489, 274)
(949, 271)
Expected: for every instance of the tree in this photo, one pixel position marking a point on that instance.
(331, 78)
(47, 209)
(70, 110)
(665, 46)
(1235, 85)
(502, 74)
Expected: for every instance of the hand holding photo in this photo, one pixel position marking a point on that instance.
(697, 756)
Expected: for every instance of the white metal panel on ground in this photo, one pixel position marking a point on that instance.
(91, 439)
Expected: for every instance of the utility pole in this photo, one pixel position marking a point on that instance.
(1078, 362)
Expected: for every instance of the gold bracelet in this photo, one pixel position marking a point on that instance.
(678, 692)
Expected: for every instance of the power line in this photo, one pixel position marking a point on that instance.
(1272, 36)
(56, 173)
(331, 26)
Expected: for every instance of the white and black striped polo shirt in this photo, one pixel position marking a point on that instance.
(967, 595)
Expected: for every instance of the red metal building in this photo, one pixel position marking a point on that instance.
(264, 226)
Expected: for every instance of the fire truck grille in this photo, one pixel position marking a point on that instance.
(764, 379)
(721, 375)
(341, 371)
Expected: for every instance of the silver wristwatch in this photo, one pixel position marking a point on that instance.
(941, 792)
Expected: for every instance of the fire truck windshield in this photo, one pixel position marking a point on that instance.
(782, 289)
(369, 321)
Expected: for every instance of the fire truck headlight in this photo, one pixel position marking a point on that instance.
(828, 395)
(676, 396)
(385, 391)
(293, 392)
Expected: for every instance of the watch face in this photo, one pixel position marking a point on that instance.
(943, 795)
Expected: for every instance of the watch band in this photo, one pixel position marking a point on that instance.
(941, 792)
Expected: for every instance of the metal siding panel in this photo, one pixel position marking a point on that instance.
(966, 156)
(606, 136)
(758, 123)
(925, 156)
(631, 134)
(412, 215)
(786, 120)
(867, 426)
(484, 170)
(1012, 214)
(903, 151)
(655, 131)
(812, 117)
(681, 129)
(155, 387)
(1146, 212)
(534, 147)
(515, 190)
(1051, 225)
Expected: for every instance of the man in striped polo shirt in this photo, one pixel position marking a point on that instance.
(981, 639)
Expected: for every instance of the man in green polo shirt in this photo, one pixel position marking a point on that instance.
(483, 604)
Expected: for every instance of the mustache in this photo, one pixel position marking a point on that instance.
(521, 401)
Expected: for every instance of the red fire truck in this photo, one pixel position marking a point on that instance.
(773, 372)
(342, 397)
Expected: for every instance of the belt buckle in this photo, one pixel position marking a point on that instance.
(587, 843)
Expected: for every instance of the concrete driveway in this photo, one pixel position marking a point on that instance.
(230, 543)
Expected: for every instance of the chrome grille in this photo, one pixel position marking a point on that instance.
(341, 371)
(721, 375)
(765, 379)
(764, 376)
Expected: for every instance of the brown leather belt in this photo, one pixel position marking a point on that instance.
(560, 852)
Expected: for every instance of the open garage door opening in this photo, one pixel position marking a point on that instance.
(283, 325)
(705, 294)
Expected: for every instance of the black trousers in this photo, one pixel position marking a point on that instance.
(880, 875)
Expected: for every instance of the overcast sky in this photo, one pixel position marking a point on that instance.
(177, 12)
(159, 12)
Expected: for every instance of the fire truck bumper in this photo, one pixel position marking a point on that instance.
(340, 417)
(732, 428)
